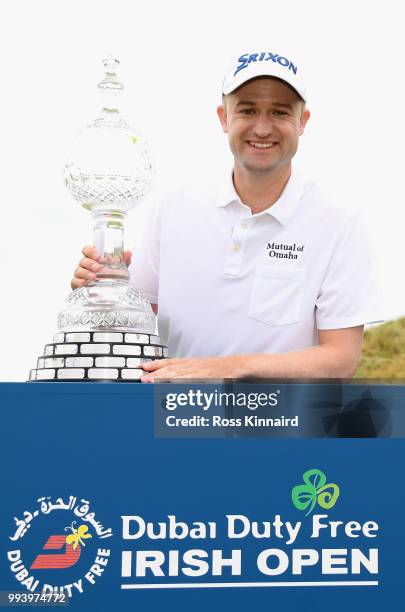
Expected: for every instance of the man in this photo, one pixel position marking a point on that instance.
(264, 278)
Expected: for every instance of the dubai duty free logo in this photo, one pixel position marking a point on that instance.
(315, 490)
(59, 547)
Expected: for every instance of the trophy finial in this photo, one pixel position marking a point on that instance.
(110, 63)
(110, 86)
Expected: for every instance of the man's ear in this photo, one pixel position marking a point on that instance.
(303, 121)
(221, 112)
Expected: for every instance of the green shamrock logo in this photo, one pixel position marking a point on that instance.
(315, 490)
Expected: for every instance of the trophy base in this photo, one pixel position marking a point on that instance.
(103, 356)
(106, 331)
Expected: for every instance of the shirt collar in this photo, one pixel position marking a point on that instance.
(282, 210)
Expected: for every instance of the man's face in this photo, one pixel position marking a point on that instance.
(263, 119)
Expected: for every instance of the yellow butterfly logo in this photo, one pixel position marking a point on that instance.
(78, 535)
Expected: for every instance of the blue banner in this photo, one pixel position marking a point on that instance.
(99, 505)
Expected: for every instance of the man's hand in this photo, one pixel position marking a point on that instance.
(168, 370)
(90, 265)
(335, 357)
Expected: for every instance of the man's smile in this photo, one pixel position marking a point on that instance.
(261, 145)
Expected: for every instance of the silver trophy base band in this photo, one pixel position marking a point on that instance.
(105, 356)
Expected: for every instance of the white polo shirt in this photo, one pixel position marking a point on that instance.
(229, 282)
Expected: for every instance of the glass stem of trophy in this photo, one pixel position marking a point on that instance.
(107, 328)
(109, 242)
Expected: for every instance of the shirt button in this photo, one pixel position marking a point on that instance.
(236, 247)
(243, 226)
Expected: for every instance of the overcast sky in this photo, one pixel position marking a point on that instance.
(173, 57)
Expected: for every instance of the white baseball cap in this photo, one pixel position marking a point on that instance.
(263, 63)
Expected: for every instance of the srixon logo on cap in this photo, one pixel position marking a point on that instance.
(264, 56)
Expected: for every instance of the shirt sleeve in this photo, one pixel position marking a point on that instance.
(144, 268)
(349, 293)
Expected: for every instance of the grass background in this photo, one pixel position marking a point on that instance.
(383, 354)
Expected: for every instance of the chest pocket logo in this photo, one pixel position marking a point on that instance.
(277, 294)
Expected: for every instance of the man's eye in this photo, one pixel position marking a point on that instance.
(247, 111)
(279, 113)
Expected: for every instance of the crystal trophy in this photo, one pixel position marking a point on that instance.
(107, 329)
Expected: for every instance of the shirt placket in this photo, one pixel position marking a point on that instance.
(237, 244)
